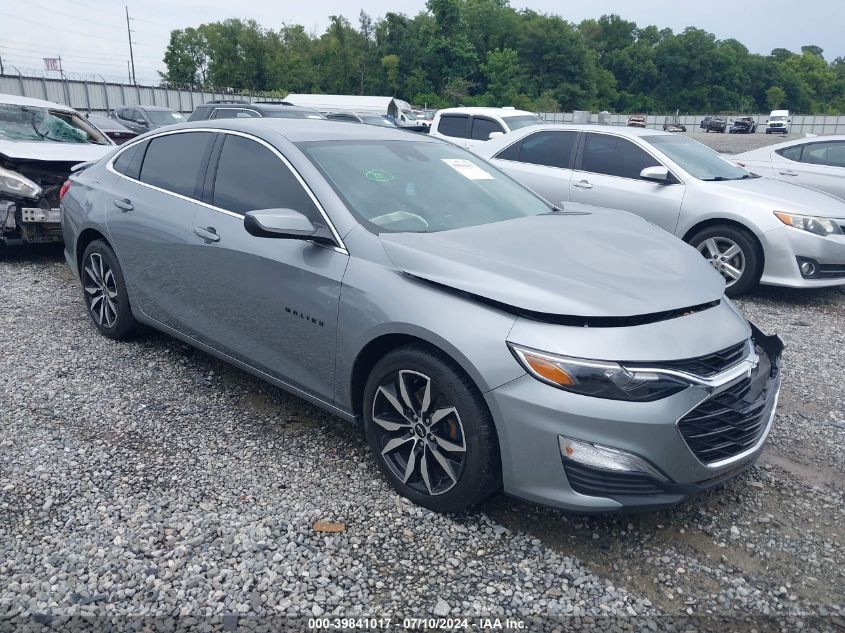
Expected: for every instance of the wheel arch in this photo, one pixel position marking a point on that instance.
(729, 222)
(85, 238)
(378, 347)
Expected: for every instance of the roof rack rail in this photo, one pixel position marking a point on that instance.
(273, 102)
(227, 101)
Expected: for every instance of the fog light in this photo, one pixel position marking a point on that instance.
(605, 458)
(808, 269)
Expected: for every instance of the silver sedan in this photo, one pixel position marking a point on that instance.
(585, 359)
(816, 161)
(751, 229)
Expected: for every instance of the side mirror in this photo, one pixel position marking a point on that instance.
(655, 174)
(281, 223)
(495, 135)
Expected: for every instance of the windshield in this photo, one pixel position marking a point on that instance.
(697, 159)
(376, 120)
(409, 115)
(778, 118)
(165, 117)
(27, 123)
(292, 113)
(516, 122)
(387, 185)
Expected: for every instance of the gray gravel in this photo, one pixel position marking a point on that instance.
(146, 478)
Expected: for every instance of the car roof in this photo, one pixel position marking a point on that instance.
(151, 108)
(304, 130)
(484, 110)
(6, 99)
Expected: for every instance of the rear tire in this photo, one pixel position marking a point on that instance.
(734, 253)
(440, 451)
(104, 292)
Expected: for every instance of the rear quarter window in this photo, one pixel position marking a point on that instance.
(128, 162)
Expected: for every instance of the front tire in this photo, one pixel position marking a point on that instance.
(430, 430)
(104, 291)
(734, 253)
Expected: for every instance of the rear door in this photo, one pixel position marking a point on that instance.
(454, 127)
(819, 165)
(543, 162)
(150, 209)
(607, 174)
(267, 302)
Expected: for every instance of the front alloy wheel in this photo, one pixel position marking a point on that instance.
(734, 253)
(725, 256)
(419, 431)
(430, 430)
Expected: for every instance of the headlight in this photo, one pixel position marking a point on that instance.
(819, 226)
(14, 184)
(599, 379)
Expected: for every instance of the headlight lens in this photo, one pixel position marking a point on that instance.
(819, 226)
(599, 379)
(14, 184)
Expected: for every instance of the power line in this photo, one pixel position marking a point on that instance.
(38, 51)
(98, 36)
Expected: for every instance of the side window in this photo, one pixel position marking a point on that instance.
(831, 154)
(121, 114)
(453, 125)
(128, 162)
(176, 162)
(511, 152)
(250, 176)
(614, 156)
(233, 113)
(791, 153)
(552, 149)
(481, 128)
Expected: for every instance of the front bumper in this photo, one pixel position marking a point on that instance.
(785, 246)
(534, 417)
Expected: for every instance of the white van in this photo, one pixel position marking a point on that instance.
(778, 122)
(469, 126)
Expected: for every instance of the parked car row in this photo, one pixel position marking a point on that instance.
(777, 123)
(494, 319)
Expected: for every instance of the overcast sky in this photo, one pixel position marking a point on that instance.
(90, 35)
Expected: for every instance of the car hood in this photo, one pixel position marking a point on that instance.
(781, 196)
(45, 150)
(596, 264)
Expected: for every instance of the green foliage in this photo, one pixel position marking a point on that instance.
(485, 52)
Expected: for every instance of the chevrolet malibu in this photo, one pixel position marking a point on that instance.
(577, 357)
(751, 229)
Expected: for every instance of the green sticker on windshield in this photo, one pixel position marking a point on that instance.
(378, 175)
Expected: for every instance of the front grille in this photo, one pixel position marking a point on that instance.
(595, 482)
(831, 271)
(709, 364)
(732, 421)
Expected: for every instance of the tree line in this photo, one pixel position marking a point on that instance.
(485, 52)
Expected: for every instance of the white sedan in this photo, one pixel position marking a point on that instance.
(816, 161)
(751, 229)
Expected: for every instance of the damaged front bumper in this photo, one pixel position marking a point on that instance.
(29, 222)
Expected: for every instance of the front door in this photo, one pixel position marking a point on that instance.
(542, 161)
(607, 174)
(819, 165)
(270, 303)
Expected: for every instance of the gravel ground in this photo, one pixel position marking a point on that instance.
(148, 479)
(738, 143)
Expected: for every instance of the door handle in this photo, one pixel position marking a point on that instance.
(583, 184)
(788, 172)
(124, 205)
(209, 234)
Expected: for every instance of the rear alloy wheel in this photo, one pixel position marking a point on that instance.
(430, 430)
(105, 293)
(733, 253)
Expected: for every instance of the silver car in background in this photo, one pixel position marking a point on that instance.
(816, 161)
(751, 229)
(580, 358)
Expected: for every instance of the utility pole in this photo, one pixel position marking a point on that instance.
(129, 34)
(1, 65)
